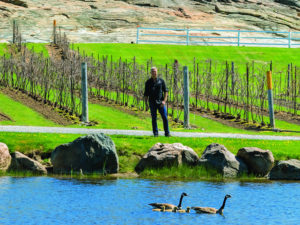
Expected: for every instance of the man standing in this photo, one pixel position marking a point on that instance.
(156, 94)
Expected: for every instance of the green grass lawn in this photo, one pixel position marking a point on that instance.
(162, 54)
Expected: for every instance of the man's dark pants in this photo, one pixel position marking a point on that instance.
(163, 112)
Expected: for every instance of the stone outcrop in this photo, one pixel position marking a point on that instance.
(91, 153)
(5, 157)
(258, 161)
(217, 157)
(286, 170)
(16, 2)
(161, 155)
(116, 21)
(21, 162)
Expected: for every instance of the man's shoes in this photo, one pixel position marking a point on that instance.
(155, 135)
(168, 135)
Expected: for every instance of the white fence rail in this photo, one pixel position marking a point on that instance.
(218, 37)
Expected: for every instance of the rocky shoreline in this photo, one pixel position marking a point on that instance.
(96, 153)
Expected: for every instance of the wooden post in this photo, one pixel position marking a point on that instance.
(295, 91)
(137, 34)
(270, 99)
(288, 81)
(232, 78)
(14, 31)
(187, 36)
(54, 32)
(226, 86)
(186, 97)
(247, 92)
(289, 39)
(239, 38)
(84, 91)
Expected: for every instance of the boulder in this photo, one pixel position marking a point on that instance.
(286, 170)
(258, 161)
(91, 153)
(161, 155)
(21, 162)
(217, 157)
(5, 157)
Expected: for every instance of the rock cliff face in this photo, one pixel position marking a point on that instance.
(116, 21)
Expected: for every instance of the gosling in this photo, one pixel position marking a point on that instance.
(159, 210)
(187, 210)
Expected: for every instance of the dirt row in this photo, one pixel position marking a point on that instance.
(46, 110)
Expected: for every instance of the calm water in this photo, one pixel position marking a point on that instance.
(46, 200)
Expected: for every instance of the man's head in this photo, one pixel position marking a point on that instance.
(154, 72)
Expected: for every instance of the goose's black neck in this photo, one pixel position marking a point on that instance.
(223, 205)
(180, 201)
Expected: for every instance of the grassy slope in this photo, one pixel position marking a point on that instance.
(128, 144)
(21, 114)
(38, 48)
(108, 117)
(2, 47)
(162, 54)
(111, 118)
(167, 53)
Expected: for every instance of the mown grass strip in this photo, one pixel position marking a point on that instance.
(21, 114)
(3, 47)
(162, 54)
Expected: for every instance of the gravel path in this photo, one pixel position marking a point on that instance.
(31, 129)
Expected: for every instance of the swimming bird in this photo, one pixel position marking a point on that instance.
(210, 209)
(187, 210)
(167, 205)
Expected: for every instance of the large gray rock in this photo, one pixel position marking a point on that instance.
(217, 157)
(258, 161)
(286, 170)
(161, 155)
(5, 157)
(21, 162)
(91, 153)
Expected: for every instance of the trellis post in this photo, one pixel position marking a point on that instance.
(186, 122)
(84, 92)
(14, 31)
(270, 99)
(54, 32)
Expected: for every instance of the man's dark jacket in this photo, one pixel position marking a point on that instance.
(155, 90)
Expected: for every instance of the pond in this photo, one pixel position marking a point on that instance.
(48, 200)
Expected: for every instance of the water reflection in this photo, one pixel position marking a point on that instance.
(49, 200)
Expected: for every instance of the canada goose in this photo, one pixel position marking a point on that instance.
(167, 205)
(210, 209)
(187, 210)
